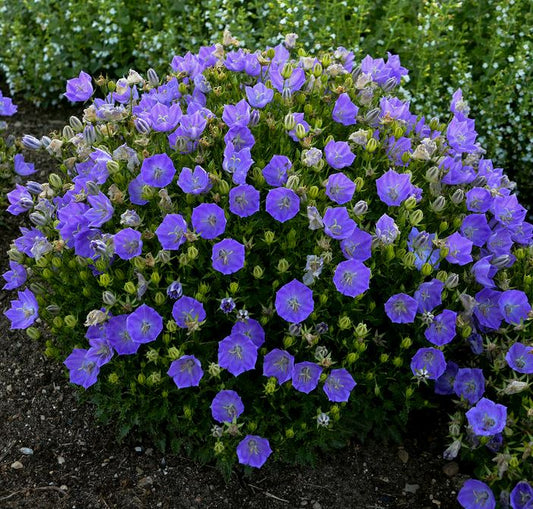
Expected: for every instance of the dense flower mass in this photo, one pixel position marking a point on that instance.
(245, 239)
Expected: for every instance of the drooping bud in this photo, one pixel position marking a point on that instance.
(372, 115)
(438, 204)
(142, 126)
(452, 281)
(89, 134)
(289, 122)
(458, 196)
(389, 85)
(153, 78)
(31, 142)
(75, 123)
(360, 208)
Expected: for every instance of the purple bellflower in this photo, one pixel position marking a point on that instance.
(520, 358)
(487, 418)
(158, 170)
(428, 363)
(476, 495)
(469, 384)
(345, 111)
(401, 308)
(294, 302)
(186, 371)
(358, 246)
(144, 324)
(279, 364)
(340, 188)
(393, 188)
(187, 311)
(337, 223)
(338, 385)
(171, 232)
(237, 353)
(228, 256)
(305, 376)
(514, 306)
(351, 278)
(226, 406)
(79, 89)
(193, 182)
(338, 154)
(442, 328)
(250, 328)
(83, 368)
(128, 243)
(282, 204)
(208, 220)
(15, 277)
(276, 171)
(24, 310)
(253, 451)
(244, 200)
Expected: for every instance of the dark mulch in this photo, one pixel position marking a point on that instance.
(76, 463)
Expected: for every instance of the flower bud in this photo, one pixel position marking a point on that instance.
(515, 386)
(361, 330)
(406, 343)
(192, 252)
(75, 123)
(293, 182)
(68, 132)
(38, 219)
(108, 298)
(323, 298)
(409, 260)
(409, 392)
(160, 298)
(444, 252)
(389, 85)
(434, 124)
(129, 287)
(344, 322)
(55, 181)
(372, 115)
(31, 142)
(300, 131)
(360, 208)
(479, 181)
(383, 358)
(258, 272)
(233, 287)
(458, 196)
(427, 269)
(33, 333)
(289, 122)
(288, 341)
(410, 203)
(57, 322)
(452, 451)
(218, 448)
(270, 386)
(438, 204)
(452, 281)
(89, 134)
(371, 145)
(433, 174)
(70, 321)
(500, 261)
(153, 78)
(283, 266)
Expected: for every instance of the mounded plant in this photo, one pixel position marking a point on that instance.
(266, 253)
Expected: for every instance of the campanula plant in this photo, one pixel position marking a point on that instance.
(266, 253)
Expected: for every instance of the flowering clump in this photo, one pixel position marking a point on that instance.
(241, 257)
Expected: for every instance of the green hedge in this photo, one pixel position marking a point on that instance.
(483, 47)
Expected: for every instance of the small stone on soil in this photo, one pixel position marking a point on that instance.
(17, 465)
(26, 451)
(411, 488)
(451, 469)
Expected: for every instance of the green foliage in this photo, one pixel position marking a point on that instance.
(135, 391)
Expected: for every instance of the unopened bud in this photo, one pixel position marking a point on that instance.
(68, 132)
(427, 269)
(142, 126)
(70, 321)
(344, 322)
(479, 181)
(500, 261)
(452, 281)
(75, 123)
(433, 174)
(434, 123)
(269, 237)
(283, 265)
(515, 386)
(300, 131)
(438, 204)
(153, 78)
(289, 122)
(371, 145)
(360, 208)
(458, 196)
(109, 298)
(258, 272)
(389, 85)
(31, 142)
(372, 115)
(415, 217)
(410, 203)
(192, 252)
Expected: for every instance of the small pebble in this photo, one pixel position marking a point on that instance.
(26, 450)
(138, 449)
(60, 460)
(17, 465)
(451, 469)
(411, 488)
(317, 505)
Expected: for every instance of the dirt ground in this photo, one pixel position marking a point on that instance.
(53, 453)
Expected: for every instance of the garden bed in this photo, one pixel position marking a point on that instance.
(75, 462)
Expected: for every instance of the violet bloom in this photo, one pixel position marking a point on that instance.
(101, 210)
(393, 188)
(520, 358)
(236, 115)
(24, 310)
(476, 495)
(345, 111)
(15, 277)
(237, 353)
(338, 385)
(250, 328)
(244, 200)
(293, 83)
(282, 204)
(128, 243)
(83, 368)
(157, 170)
(421, 244)
(337, 223)
(386, 230)
(279, 364)
(164, 118)
(79, 89)
(186, 371)
(135, 190)
(338, 154)
(461, 135)
(340, 188)
(358, 246)
(305, 376)
(208, 220)
(171, 232)
(476, 228)
(276, 171)
(253, 451)
(522, 496)
(487, 309)
(101, 350)
(187, 311)
(22, 167)
(442, 328)
(259, 95)
(508, 211)
(401, 308)
(20, 199)
(458, 106)
(428, 363)
(237, 163)
(460, 249)
(351, 278)
(7, 108)
(487, 418)
(175, 290)
(240, 138)
(429, 295)
(228, 256)
(144, 324)
(193, 182)
(469, 384)
(500, 242)
(294, 302)
(514, 306)
(226, 406)
(227, 305)
(445, 382)
(478, 199)
(119, 337)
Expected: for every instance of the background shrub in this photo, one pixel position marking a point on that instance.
(483, 47)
